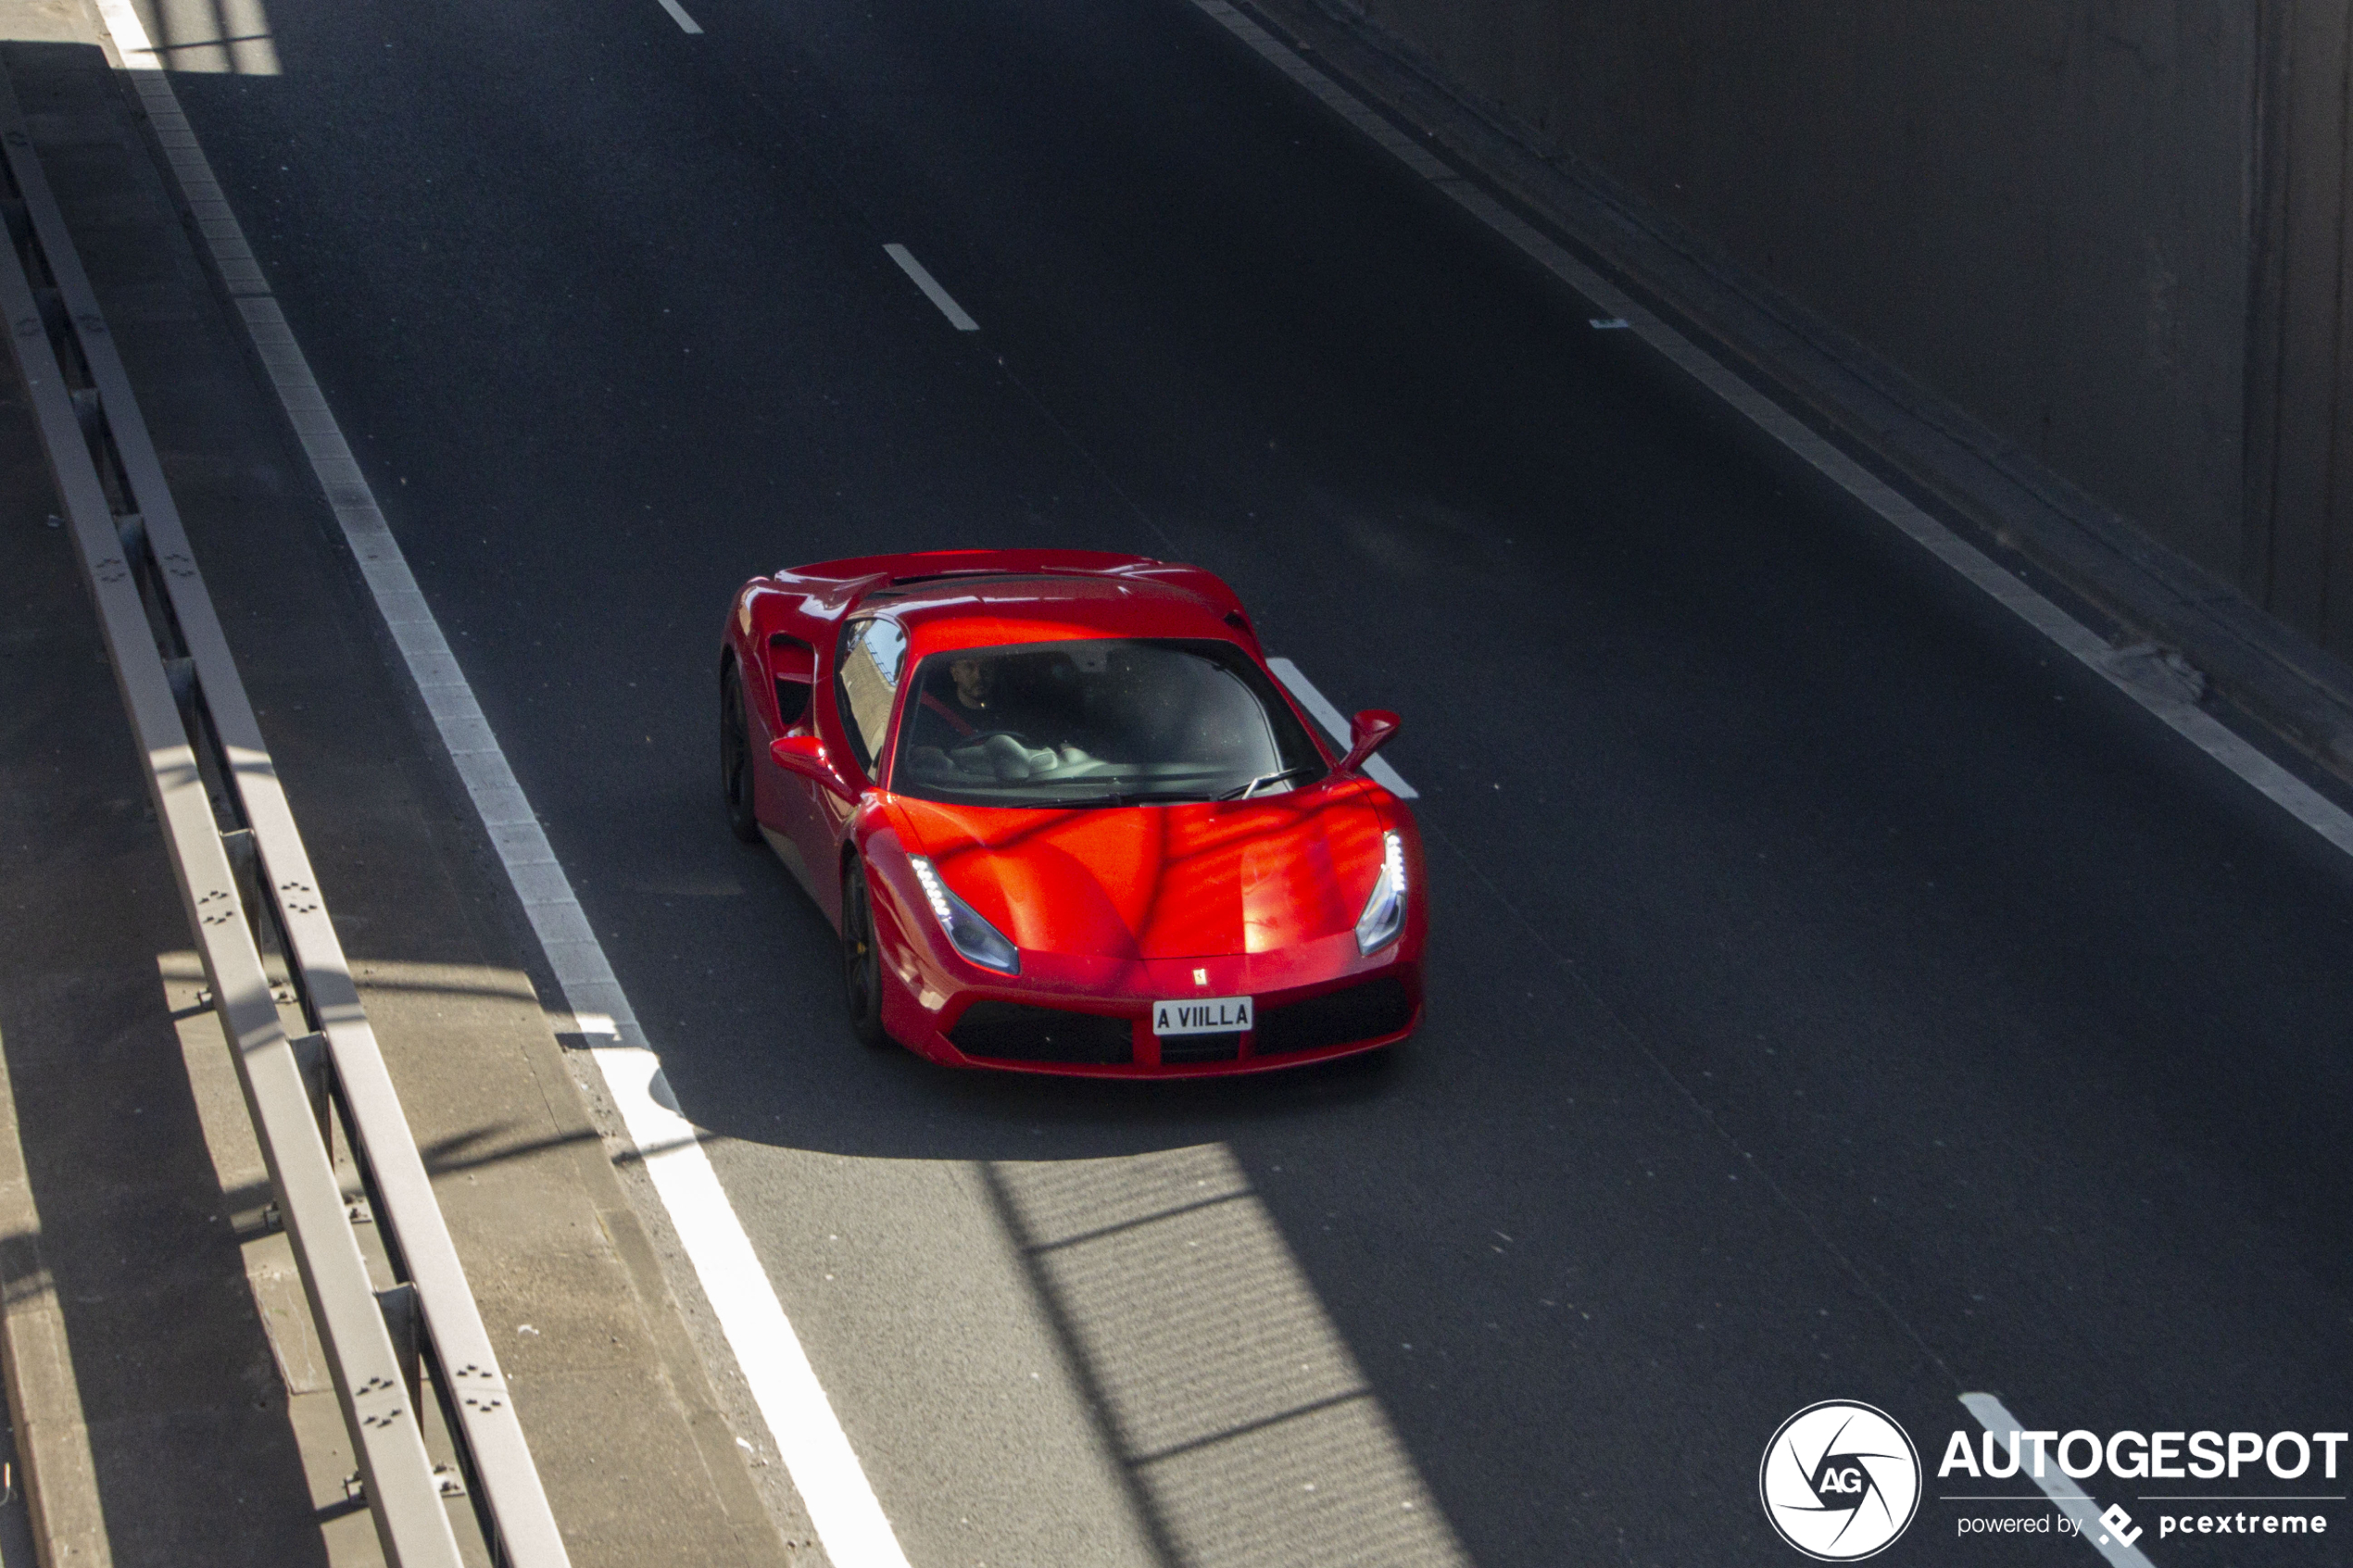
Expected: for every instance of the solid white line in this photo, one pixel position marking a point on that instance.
(801, 1422)
(932, 291)
(2057, 1485)
(1327, 715)
(2194, 724)
(678, 14)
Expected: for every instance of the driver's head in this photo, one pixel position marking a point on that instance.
(972, 678)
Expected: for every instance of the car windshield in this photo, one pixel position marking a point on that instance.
(1106, 721)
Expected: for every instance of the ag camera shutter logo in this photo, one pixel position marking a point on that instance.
(1840, 1481)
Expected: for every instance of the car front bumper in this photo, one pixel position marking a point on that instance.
(1091, 1017)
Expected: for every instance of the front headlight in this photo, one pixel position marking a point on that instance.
(972, 935)
(1384, 914)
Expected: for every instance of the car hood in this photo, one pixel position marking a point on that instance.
(1159, 881)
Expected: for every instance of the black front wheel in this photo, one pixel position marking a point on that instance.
(861, 960)
(735, 760)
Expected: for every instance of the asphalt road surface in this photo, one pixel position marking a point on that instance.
(1834, 991)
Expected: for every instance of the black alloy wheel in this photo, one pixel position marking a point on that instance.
(735, 760)
(861, 960)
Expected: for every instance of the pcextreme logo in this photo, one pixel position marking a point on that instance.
(1840, 1481)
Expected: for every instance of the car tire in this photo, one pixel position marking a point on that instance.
(862, 979)
(735, 760)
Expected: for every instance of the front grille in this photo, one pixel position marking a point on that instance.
(1016, 1032)
(1336, 1017)
(1179, 1049)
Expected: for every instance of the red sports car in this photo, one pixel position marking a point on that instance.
(1064, 818)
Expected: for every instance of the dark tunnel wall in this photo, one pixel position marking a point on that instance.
(2112, 229)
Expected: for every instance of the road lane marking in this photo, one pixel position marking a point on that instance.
(801, 1422)
(2200, 728)
(678, 14)
(2059, 1486)
(808, 1436)
(1327, 715)
(932, 291)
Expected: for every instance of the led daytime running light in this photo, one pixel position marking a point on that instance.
(971, 935)
(932, 890)
(1384, 917)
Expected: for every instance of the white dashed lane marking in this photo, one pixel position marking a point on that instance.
(932, 291)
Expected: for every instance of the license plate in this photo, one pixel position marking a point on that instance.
(1201, 1015)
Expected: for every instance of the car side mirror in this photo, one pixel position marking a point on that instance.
(1368, 732)
(805, 755)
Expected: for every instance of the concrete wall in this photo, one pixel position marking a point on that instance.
(2297, 549)
(2113, 229)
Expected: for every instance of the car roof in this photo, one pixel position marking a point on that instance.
(983, 612)
(975, 598)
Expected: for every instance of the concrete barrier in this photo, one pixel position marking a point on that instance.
(2115, 233)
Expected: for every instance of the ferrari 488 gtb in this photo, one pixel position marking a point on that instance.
(1064, 818)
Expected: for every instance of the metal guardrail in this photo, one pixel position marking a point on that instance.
(245, 879)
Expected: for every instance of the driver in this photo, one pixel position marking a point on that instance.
(957, 727)
(966, 714)
(955, 713)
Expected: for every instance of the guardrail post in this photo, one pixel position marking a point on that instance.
(318, 1078)
(404, 1320)
(246, 864)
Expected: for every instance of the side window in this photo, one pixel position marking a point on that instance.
(871, 651)
(793, 664)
